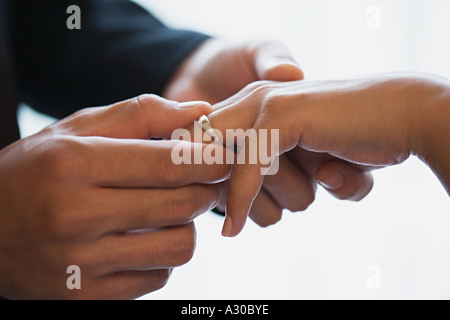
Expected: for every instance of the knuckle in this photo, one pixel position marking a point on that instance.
(263, 89)
(169, 173)
(265, 221)
(304, 202)
(83, 114)
(208, 197)
(81, 122)
(148, 98)
(160, 279)
(182, 207)
(299, 207)
(153, 280)
(274, 101)
(257, 87)
(142, 104)
(174, 174)
(185, 243)
(60, 158)
(186, 205)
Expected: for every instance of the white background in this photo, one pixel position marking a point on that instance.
(402, 227)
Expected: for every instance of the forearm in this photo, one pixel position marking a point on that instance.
(431, 128)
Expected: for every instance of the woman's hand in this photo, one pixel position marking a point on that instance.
(368, 122)
(219, 69)
(92, 190)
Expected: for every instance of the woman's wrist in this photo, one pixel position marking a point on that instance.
(429, 135)
(421, 111)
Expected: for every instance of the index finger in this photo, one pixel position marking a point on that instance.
(247, 175)
(246, 179)
(245, 184)
(142, 164)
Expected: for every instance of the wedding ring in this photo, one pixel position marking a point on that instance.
(206, 125)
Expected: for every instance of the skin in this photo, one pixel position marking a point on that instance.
(94, 191)
(65, 190)
(370, 122)
(69, 194)
(218, 70)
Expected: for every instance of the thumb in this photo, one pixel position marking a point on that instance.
(274, 62)
(165, 116)
(144, 117)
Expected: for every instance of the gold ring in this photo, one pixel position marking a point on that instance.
(206, 125)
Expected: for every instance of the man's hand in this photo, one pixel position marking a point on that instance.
(219, 69)
(92, 190)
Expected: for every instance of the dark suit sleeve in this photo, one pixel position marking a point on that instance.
(121, 51)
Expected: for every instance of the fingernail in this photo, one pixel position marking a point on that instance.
(279, 60)
(226, 230)
(192, 105)
(283, 69)
(332, 181)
